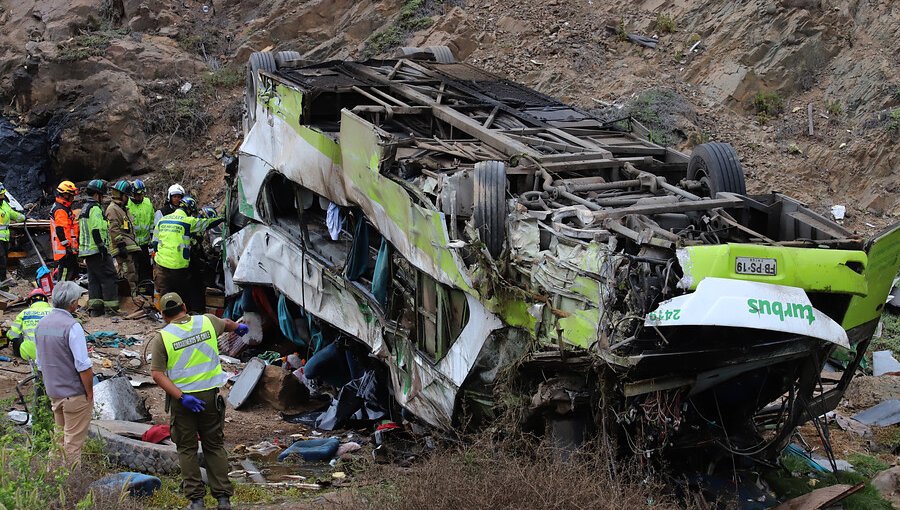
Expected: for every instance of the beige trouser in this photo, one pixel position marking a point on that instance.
(73, 415)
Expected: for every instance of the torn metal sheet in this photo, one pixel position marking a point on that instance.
(246, 382)
(742, 304)
(883, 362)
(882, 415)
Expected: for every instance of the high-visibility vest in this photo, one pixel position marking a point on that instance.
(193, 355)
(142, 214)
(7, 214)
(173, 233)
(61, 215)
(23, 327)
(92, 218)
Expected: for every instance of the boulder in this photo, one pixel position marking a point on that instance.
(103, 136)
(281, 390)
(887, 483)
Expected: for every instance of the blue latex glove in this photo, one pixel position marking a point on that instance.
(242, 330)
(193, 404)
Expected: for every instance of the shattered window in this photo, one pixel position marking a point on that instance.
(442, 312)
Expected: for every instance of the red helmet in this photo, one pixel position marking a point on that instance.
(37, 293)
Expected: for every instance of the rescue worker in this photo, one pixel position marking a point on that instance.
(64, 231)
(173, 247)
(121, 234)
(142, 213)
(185, 364)
(93, 247)
(173, 200)
(7, 216)
(195, 299)
(21, 332)
(174, 196)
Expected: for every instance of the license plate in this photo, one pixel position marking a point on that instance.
(757, 266)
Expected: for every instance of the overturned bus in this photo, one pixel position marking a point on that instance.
(472, 232)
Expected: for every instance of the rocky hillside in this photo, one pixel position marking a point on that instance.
(125, 87)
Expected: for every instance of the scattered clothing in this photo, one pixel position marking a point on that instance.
(157, 434)
(334, 221)
(312, 450)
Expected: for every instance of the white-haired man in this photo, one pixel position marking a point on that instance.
(66, 369)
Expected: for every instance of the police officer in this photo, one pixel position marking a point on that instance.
(93, 247)
(64, 231)
(7, 215)
(185, 364)
(173, 247)
(121, 234)
(142, 212)
(21, 332)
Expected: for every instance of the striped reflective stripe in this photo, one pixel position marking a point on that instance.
(189, 342)
(215, 382)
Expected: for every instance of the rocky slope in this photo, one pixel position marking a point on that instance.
(125, 87)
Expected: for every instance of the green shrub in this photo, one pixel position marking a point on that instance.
(893, 123)
(414, 15)
(665, 24)
(834, 108)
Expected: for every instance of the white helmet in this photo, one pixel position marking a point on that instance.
(175, 189)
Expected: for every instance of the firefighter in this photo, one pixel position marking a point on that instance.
(195, 299)
(64, 231)
(93, 247)
(7, 216)
(21, 332)
(121, 234)
(173, 247)
(142, 213)
(173, 199)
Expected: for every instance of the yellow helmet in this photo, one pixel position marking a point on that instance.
(67, 187)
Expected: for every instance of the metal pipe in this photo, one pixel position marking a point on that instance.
(548, 186)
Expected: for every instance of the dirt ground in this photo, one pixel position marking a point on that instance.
(253, 423)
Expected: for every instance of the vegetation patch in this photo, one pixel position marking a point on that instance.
(890, 335)
(665, 24)
(768, 105)
(796, 479)
(92, 43)
(488, 475)
(893, 121)
(659, 111)
(414, 15)
(224, 78)
(834, 108)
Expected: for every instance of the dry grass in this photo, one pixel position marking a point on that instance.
(489, 475)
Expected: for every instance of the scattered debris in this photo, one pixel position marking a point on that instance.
(252, 471)
(312, 450)
(138, 485)
(820, 498)
(115, 399)
(157, 434)
(838, 212)
(883, 363)
(246, 382)
(851, 425)
(279, 389)
(884, 414)
(111, 339)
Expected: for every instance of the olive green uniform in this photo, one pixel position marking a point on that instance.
(208, 424)
(123, 245)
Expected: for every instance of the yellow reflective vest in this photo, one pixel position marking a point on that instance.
(23, 327)
(192, 349)
(173, 238)
(7, 215)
